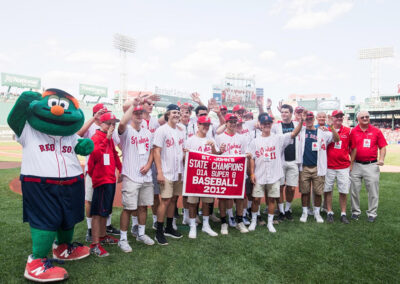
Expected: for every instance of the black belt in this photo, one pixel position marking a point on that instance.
(367, 162)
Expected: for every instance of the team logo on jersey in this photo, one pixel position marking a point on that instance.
(170, 142)
(234, 148)
(181, 141)
(47, 147)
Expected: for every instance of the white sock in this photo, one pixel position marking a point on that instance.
(192, 222)
(330, 212)
(244, 212)
(185, 213)
(317, 210)
(154, 218)
(270, 219)
(124, 235)
(134, 221)
(280, 206)
(206, 221)
(89, 222)
(254, 216)
(109, 220)
(305, 210)
(258, 212)
(141, 229)
(288, 206)
(249, 203)
(229, 212)
(343, 214)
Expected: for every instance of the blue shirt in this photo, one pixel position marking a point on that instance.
(310, 157)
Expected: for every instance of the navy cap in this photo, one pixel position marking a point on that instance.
(264, 117)
(172, 107)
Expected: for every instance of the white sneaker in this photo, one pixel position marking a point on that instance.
(135, 231)
(209, 231)
(232, 222)
(303, 217)
(174, 224)
(252, 226)
(192, 232)
(242, 228)
(124, 246)
(310, 211)
(318, 218)
(145, 239)
(224, 229)
(214, 218)
(271, 228)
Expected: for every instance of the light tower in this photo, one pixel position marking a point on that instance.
(375, 54)
(125, 45)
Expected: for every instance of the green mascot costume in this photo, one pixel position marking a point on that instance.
(51, 178)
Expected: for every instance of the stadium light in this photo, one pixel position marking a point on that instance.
(375, 54)
(125, 45)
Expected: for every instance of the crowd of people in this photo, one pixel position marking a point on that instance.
(304, 149)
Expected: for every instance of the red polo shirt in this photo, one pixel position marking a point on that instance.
(367, 142)
(338, 153)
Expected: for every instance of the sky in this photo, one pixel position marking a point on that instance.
(290, 46)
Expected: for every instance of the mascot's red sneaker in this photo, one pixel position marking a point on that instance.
(42, 270)
(72, 251)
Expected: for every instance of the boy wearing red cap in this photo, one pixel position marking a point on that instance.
(101, 168)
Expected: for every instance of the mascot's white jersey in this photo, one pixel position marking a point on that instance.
(47, 155)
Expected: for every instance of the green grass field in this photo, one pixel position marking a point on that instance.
(302, 253)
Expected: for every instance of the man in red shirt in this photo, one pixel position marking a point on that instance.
(365, 140)
(338, 167)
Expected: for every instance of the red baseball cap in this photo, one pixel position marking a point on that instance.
(337, 112)
(204, 119)
(188, 105)
(223, 107)
(108, 116)
(138, 108)
(230, 116)
(299, 109)
(237, 108)
(98, 107)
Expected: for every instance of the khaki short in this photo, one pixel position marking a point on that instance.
(196, 199)
(309, 176)
(171, 188)
(88, 188)
(272, 190)
(136, 194)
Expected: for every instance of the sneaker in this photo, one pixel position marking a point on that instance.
(174, 224)
(42, 270)
(281, 217)
(329, 218)
(209, 231)
(173, 233)
(98, 250)
(288, 215)
(135, 230)
(310, 211)
(371, 219)
(154, 226)
(252, 226)
(355, 217)
(318, 218)
(113, 231)
(260, 221)
(246, 221)
(242, 228)
(344, 219)
(72, 251)
(89, 235)
(160, 239)
(124, 246)
(303, 217)
(192, 232)
(271, 228)
(224, 229)
(145, 239)
(214, 218)
(232, 222)
(198, 221)
(109, 240)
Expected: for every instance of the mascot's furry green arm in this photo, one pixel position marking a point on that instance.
(55, 113)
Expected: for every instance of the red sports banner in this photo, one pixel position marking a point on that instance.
(215, 176)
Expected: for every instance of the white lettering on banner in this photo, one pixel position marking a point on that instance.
(214, 181)
(226, 167)
(214, 189)
(198, 164)
(221, 174)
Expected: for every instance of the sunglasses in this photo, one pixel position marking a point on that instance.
(364, 117)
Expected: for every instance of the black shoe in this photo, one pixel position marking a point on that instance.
(160, 239)
(113, 231)
(371, 219)
(355, 217)
(288, 215)
(172, 233)
(89, 235)
(281, 217)
(329, 218)
(344, 219)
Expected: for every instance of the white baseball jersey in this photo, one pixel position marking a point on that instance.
(46, 155)
(234, 144)
(136, 146)
(89, 134)
(267, 155)
(251, 124)
(170, 140)
(277, 129)
(188, 130)
(151, 124)
(196, 143)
